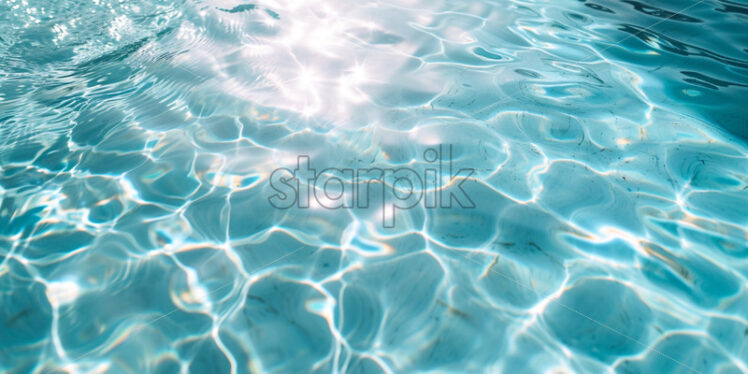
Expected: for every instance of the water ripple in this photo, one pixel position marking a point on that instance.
(137, 140)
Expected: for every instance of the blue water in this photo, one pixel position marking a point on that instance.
(608, 138)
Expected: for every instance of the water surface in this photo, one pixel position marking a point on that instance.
(608, 139)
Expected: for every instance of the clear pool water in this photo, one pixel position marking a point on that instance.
(608, 140)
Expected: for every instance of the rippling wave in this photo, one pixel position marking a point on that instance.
(608, 139)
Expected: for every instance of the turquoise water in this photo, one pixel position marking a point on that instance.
(607, 138)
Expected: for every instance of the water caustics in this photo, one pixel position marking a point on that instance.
(611, 186)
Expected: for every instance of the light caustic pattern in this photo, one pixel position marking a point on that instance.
(608, 138)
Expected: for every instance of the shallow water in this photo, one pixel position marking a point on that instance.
(608, 140)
